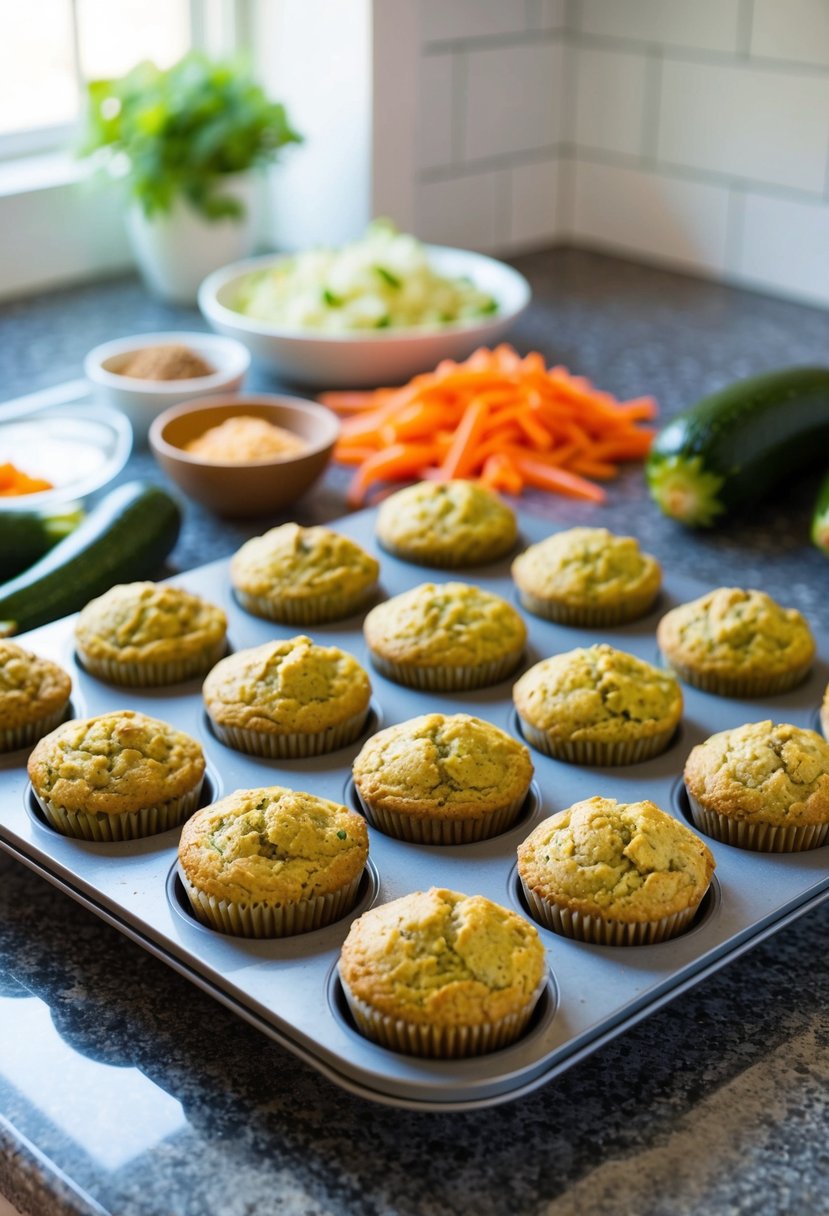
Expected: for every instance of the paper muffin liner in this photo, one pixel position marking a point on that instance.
(448, 560)
(131, 825)
(448, 679)
(310, 610)
(761, 837)
(14, 737)
(262, 920)
(591, 616)
(585, 751)
(761, 685)
(153, 675)
(601, 931)
(294, 745)
(439, 1042)
(435, 829)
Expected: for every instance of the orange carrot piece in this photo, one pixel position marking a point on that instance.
(353, 454)
(596, 470)
(457, 461)
(395, 463)
(499, 473)
(547, 477)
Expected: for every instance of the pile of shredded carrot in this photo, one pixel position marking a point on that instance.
(503, 420)
(14, 481)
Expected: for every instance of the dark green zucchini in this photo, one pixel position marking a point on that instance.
(27, 535)
(730, 448)
(820, 517)
(124, 538)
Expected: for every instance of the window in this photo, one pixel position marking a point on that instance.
(50, 47)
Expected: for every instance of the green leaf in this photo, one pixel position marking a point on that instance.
(183, 129)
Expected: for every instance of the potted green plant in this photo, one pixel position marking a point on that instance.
(186, 141)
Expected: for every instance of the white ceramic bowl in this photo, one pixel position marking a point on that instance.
(142, 400)
(365, 359)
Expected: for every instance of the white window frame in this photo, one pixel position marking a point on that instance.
(40, 181)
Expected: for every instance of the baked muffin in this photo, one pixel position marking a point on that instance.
(302, 576)
(147, 634)
(587, 576)
(761, 786)
(272, 862)
(287, 699)
(34, 694)
(598, 705)
(737, 643)
(441, 779)
(445, 636)
(446, 523)
(119, 776)
(614, 873)
(438, 973)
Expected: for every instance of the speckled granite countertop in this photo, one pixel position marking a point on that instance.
(124, 1089)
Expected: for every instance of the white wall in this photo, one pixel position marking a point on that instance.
(699, 136)
(491, 94)
(689, 132)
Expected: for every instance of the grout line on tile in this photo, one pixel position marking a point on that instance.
(572, 16)
(457, 116)
(745, 27)
(709, 177)
(652, 107)
(502, 210)
(734, 227)
(485, 164)
(702, 55)
(484, 42)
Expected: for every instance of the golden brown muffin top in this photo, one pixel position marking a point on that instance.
(764, 772)
(451, 765)
(150, 622)
(446, 521)
(629, 862)
(273, 846)
(734, 631)
(586, 566)
(286, 687)
(30, 687)
(117, 762)
(441, 958)
(598, 693)
(292, 563)
(446, 625)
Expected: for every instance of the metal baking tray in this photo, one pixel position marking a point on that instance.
(288, 988)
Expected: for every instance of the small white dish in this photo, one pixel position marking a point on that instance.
(367, 358)
(79, 448)
(142, 400)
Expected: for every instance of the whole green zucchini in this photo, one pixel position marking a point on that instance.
(820, 517)
(730, 448)
(124, 538)
(27, 535)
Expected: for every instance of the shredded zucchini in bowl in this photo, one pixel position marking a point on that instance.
(382, 281)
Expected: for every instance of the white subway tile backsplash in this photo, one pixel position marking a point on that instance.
(785, 246)
(791, 29)
(434, 111)
(545, 14)
(447, 20)
(462, 211)
(610, 100)
(745, 122)
(533, 203)
(678, 221)
(709, 25)
(513, 99)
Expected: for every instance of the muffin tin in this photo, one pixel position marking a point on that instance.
(288, 988)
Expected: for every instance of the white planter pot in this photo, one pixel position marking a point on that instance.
(177, 249)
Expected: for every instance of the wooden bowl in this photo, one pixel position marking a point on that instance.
(256, 487)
